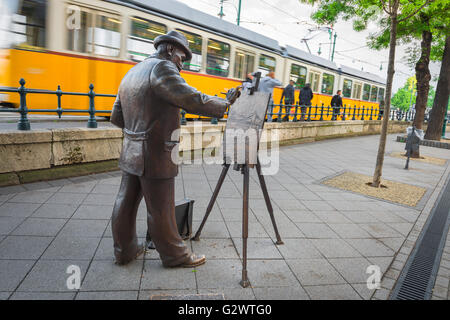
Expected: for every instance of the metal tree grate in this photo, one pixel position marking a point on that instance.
(417, 279)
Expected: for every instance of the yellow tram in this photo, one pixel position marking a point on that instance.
(75, 43)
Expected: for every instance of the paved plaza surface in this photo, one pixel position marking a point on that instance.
(331, 236)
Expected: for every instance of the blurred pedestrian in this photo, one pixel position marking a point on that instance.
(269, 82)
(304, 99)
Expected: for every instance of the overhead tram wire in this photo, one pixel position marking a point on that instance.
(351, 49)
(287, 13)
(272, 25)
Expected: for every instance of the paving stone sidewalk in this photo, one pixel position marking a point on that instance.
(331, 236)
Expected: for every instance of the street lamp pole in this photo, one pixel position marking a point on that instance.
(334, 46)
(239, 13)
(221, 14)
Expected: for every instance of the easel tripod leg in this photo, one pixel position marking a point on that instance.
(262, 182)
(212, 201)
(245, 282)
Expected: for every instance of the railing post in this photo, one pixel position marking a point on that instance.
(354, 111)
(309, 112)
(321, 113)
(333, 109)
(59, 109)
(92, 123)
(270, 113)
(23, 123)
(343, 114)
(393, 114)
(183, 118)
(280, 110)
(371, 113)
(296, 113)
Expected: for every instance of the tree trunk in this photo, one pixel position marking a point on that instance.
(440, 103)
(423, 77)
(387, 108)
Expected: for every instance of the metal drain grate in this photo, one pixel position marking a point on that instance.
(417, 279)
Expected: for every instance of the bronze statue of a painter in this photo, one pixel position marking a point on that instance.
(147, 108)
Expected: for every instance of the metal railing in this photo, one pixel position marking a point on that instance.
(288, 113)
(294, 113)
(24, 123)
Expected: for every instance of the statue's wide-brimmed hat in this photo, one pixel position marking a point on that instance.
(176, 38)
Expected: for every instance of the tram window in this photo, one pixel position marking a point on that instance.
(195, 44)
(140, 41)
(243, 65)
(366, 92)
(218, 58)
(314, 78)
(374, 94)
(380, 94)
(356, 90)
(298, 74)
(77, 36)
(266, 64)
(106, 40)
(327, 83)
(28, 23)
(347, 88)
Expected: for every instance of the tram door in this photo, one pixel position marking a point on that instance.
(244, 63)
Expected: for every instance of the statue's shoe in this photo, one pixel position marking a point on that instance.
(192, 261)
(140, 251)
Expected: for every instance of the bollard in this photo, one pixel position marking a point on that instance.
(23, 123)
(183, 118)
(59, 109)
(92, 123)
(444, 127)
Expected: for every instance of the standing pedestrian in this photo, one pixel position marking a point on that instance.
(269, 82)
(304, 99)
(336, 104)
(289, 99)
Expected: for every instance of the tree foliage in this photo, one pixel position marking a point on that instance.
(434, 18)
(405, 97)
